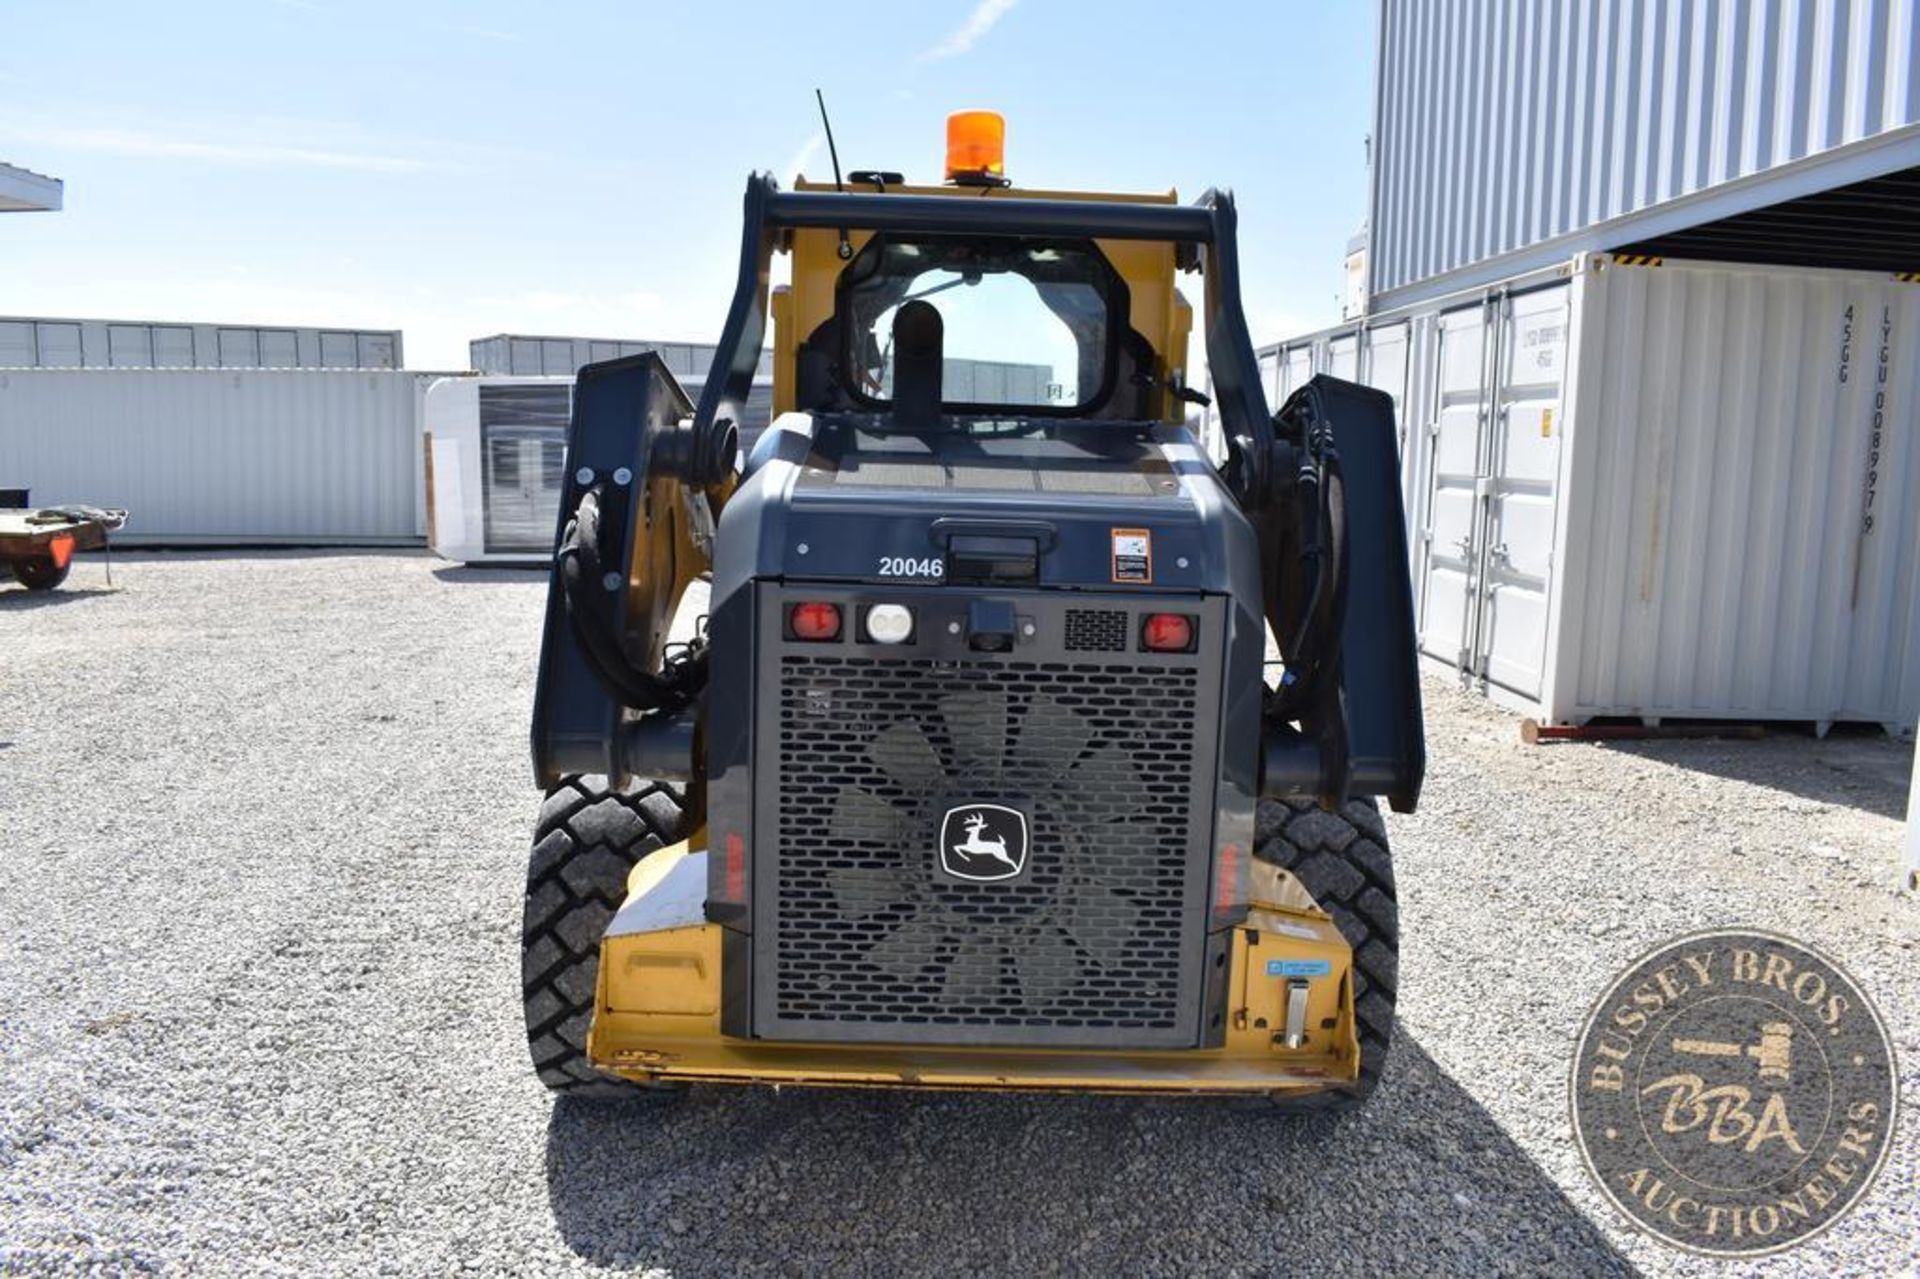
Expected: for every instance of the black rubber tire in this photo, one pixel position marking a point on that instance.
(39, 574)
(1343, 860)
(586, 842)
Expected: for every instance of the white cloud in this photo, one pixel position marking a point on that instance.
(153, 146)
(969, 33)
(803, 157)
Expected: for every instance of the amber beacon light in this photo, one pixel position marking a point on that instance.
(977, 148)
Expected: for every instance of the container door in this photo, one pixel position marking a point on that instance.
(1296, 366)
(1343, 357)
(1523, 462)
(523, 440)
(1457, 428)
(1385, 369)
(522, 490)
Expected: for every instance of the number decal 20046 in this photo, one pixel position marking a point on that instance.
(909, 566)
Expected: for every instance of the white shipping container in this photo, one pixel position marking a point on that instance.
(138, 344)
(1679, 491)
(220, 456)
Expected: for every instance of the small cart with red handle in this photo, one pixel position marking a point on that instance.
(37, 546)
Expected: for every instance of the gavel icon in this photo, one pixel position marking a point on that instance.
(1774, 1052)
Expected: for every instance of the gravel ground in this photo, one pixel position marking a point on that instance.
(264, 821)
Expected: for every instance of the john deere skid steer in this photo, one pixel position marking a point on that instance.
(1017, 744)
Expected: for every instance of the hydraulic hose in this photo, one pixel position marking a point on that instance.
(1320, 500)
(592, 611)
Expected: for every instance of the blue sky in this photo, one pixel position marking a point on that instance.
(459, 169)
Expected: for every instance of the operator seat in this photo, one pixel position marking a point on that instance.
(919, 337)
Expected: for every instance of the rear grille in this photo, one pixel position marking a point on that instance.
(1097, 630)
(1096, 942)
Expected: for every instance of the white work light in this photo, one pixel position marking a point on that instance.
(890, 623)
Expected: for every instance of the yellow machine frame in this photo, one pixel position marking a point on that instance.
(657, 1014)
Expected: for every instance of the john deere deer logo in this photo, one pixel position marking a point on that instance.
(983, 842)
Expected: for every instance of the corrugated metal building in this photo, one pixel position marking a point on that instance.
(142, 344)
(1679, 477)
(1510, 134)
(232, 456)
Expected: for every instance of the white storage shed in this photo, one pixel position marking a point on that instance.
(496, 449)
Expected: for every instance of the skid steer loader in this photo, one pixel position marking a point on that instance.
(977, 771)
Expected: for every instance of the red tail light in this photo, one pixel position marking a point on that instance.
(1167, 633)
(814, 621)
(736, 867)
(1229, 880)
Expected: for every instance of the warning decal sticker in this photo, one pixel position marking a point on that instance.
(1132, 555)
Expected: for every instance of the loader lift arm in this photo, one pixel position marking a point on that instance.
(1353, 728)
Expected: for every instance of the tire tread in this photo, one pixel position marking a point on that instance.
(585, 843)
(1342, 859)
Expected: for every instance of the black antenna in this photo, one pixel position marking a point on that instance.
(833, 152)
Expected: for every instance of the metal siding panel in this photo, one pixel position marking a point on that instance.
(338, 350)
(1502, 124)
(1297, 367)
(279, 349)
(239, 348)
(58, 345)
(172, 347)
(377, 351)
(489, 355)
(129, 346)
(1343, 357)
(94, 353)
(17, 344)
(212, 456)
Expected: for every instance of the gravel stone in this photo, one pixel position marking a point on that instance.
(264, 819)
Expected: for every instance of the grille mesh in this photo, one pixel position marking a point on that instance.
(1097, 630)
(1089, 940)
